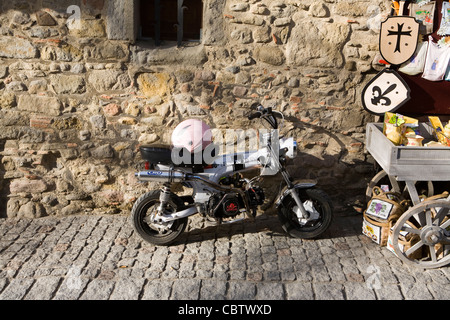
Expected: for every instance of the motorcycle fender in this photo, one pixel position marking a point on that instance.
(299, 185)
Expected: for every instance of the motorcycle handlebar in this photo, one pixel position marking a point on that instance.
(254, 115)
(256, 106)
(277, 114)
(266, 113)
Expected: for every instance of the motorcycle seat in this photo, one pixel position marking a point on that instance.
(162, 154)
(156, 153)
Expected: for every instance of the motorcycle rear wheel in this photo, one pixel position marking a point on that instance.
(314, 228)
(156, 233)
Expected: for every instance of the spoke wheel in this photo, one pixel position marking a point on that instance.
(425, 188)
(143, 217)
(432, 224)
(317, 203)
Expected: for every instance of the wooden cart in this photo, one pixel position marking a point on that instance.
(426, 220)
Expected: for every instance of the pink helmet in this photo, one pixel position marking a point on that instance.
(192, 134)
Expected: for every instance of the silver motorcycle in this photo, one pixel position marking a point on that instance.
(221, 192)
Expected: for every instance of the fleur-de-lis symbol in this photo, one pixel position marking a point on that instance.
(379, 96)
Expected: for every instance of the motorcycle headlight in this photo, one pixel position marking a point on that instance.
(294, 147)
(291, 145)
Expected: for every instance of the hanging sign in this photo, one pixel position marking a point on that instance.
(386, 92)
(399, 37)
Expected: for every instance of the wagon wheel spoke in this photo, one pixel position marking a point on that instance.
(414, 248)
(428, 218)
(411, 230)
(446, 224)
(433, 253)
(440, 215)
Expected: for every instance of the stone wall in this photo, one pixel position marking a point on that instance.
(78, 96)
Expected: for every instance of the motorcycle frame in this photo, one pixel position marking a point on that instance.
(223, 167)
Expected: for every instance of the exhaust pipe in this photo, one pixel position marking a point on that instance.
(176, 176)
(165, 176)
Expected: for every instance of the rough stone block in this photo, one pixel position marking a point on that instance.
(36, 86)
(350, 9)
(3, 71)
(262, 34)
(31, 210)
(148, 138)
(152, 84)
(98, 121)
(317, 44)
(102, 152)
(39, 104)
(281, 22)
(45, 19)
(66, 53)
(90, 29)
(68, 84)
(105, 80)
(108, 50)
(270, 55)
(28, 186)
(17, 48)
(112, 109)
(7, 100)
(239, 7)
(320, 10)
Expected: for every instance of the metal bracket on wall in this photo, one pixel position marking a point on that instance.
(157, 22)
(179, 25)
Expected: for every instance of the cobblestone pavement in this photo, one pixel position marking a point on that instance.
(100, 257)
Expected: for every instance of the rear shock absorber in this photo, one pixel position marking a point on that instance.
(164, 197)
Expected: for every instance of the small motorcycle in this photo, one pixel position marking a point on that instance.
(219, 189)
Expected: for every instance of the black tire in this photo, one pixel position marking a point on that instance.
(289, 221)
(141, 210)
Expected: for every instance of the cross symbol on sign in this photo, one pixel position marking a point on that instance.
(399, 33)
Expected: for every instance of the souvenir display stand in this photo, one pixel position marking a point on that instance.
(420, 234)
(431, 218)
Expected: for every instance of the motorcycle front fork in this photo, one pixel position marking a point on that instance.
(301, 212)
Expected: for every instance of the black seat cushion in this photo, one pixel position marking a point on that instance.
(161, 154)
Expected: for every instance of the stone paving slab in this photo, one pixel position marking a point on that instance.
(101, 258)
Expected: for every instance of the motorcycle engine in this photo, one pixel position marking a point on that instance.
(229, 205)
(224, 205)
(255, 196)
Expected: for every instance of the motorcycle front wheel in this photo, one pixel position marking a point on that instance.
(145, 210)
(313, 199)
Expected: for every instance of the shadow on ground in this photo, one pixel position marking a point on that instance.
(343, 225)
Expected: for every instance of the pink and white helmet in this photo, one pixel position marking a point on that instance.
(192, 134)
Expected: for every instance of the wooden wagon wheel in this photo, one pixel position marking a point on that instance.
(382, 178)
(432, 231)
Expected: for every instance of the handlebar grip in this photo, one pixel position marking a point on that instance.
(255, 106)
(277, 115)
(254, 115)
